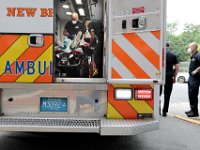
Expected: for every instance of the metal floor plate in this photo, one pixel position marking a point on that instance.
(127, 127)
(49, 124)
(102, 126)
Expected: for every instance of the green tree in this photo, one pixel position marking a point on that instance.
(179, 43)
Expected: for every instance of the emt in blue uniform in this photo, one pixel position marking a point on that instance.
(194, 80)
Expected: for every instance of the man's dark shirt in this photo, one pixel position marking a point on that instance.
(73, 29)
(194, 62)
(96, 27)
(171, 60)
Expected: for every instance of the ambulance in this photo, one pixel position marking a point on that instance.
(50, 82)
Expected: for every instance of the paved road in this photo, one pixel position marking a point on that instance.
(179, 102)
(174, 134)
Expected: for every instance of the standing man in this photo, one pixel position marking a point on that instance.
(172, 68)
(95, 28)
(194, 80)
(72, 27)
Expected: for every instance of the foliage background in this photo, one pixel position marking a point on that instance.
(179, 42)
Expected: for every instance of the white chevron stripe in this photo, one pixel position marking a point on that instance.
(144, 63)
(121, 69)
(151, 40)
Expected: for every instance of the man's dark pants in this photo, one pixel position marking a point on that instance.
(167, 92)
(193, 91)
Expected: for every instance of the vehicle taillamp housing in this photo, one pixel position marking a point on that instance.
(123, 94)
(143, 94)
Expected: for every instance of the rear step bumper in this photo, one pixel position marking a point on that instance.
(101, 126)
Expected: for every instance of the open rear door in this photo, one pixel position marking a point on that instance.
(136, 41)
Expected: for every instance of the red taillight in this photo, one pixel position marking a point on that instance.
(143, 94)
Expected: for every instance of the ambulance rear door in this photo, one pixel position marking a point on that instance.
(136, 35)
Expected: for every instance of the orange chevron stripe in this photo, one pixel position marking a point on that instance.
(115, 74)
(123, 107)
(141, 86)
(143, 48)
(7, 41)
(156, 34)
(116, 115)
(130, 64)
(31, 53)
(45, 78)
(151, 103)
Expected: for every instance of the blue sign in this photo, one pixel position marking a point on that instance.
(51, 104)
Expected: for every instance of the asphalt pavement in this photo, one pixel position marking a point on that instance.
(179, 102)
(173, 134)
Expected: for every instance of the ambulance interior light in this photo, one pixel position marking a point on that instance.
(69, 13)
(65, 6)
(81, 11)
(79, 2)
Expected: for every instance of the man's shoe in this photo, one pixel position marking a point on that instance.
(193, 114)
(164, 114)
(187, 112)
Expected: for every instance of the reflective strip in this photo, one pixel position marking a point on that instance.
(128, 62)
(115, 74)
(123, 107)
(31, 53)
(121, 69)
(7, 41)
(46, 56)
(113, 113)
(151, 40)
(137, 56)
(141, 106)
(156, 34)
(122, 86)
(128, 109)
(14, 52)
(144, 49)
(45, 78)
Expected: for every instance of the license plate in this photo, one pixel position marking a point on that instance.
(48, 104)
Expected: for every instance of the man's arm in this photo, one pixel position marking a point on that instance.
(176, 72)
(65, 31)
(92, 40)
(197, 70)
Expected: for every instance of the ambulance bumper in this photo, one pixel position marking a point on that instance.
(101, 126)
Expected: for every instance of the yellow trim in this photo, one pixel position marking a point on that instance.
(141, 106)
(16, 50)
(152, 86)
(122, 86)
(113, 113)
(191, 120)
(46, 56)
